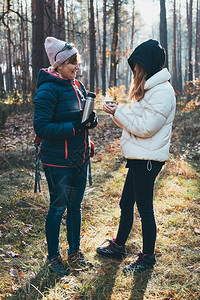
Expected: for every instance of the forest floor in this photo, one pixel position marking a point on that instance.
(24, 269)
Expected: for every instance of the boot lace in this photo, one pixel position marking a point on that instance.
(79, 259)
(110, 243)
(58, 262)
(138, 261)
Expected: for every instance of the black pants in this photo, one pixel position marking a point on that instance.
(139, 189)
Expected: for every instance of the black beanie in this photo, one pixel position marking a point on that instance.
(150, 55)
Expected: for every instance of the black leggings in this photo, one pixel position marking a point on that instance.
(139, 188)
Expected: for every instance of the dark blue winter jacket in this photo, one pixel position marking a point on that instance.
(58, 106)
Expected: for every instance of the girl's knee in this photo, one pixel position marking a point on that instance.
(124, 207)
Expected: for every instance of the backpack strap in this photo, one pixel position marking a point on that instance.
(80, 88)
(37, 141)
(77, 83)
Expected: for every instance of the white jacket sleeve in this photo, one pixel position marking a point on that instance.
(117, 122)
(153, 117)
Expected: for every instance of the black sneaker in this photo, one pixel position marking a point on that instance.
(112, 250)
(56, 265)
(78, 259)
(144, 262)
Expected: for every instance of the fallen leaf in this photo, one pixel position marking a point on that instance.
(12, 253)
(21, 273)
(14, 272)
(65, 286)
(3, 227)
(101, 272)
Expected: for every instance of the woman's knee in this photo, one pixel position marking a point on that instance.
(147, 216)
(56, 211)
(74, 208)
(126, 204)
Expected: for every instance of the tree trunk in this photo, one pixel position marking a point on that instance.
(113, 62)
(27, 40)
(92, 45)
(197, 37)
(61, 21)
(23, 65)
(68, 27)
(49, 23)
(179, 52)
(189, 24)
(130, 73)
(9, 75)
(174, 48)
(98, 46)
(163, 29)
(103, 74)
(37, 38)
(72, 23)
(49, 18)
(9, 68)
(2, 93)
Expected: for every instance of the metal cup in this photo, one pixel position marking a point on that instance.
(89, 106)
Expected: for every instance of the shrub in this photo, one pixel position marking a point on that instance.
(192, 90)
(4, 112)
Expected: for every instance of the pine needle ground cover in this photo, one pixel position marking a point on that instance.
(24, 270)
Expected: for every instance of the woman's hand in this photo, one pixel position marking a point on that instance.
(110, 108)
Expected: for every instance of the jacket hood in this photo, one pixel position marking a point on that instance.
(45, 75)
(150, 55)
(158, 78)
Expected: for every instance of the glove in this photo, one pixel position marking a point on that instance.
(91, 122)
(81, 126)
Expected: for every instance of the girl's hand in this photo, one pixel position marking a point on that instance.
(110, 108)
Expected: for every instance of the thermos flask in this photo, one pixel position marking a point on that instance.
(88, 106)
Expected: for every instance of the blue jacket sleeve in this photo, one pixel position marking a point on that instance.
(45, 105)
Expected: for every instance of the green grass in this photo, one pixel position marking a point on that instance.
(24, 271)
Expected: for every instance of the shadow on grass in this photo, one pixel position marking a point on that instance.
(106, 279)
(139, 285)
(37, 286)
(101, 177)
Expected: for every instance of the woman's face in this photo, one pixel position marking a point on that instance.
(68, 70)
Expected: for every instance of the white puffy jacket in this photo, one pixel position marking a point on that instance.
(147, 125)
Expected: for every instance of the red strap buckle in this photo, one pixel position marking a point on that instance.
(91, 149)
(37, 140)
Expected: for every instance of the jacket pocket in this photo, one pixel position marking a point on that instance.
(66, 150)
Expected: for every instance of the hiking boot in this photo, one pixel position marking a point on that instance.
(144, 262)
(112, 250)
(78, 259)
(56, 265)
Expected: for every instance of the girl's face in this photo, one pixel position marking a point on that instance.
(68, 70)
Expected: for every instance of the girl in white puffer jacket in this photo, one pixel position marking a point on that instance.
(145, 142)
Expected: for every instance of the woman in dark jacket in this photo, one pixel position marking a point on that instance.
(65, 147)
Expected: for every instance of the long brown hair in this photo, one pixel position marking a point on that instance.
(137, 90)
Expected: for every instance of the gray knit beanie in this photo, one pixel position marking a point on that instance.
(58, 51)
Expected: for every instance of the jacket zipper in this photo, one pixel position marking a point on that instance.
(66, 150)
